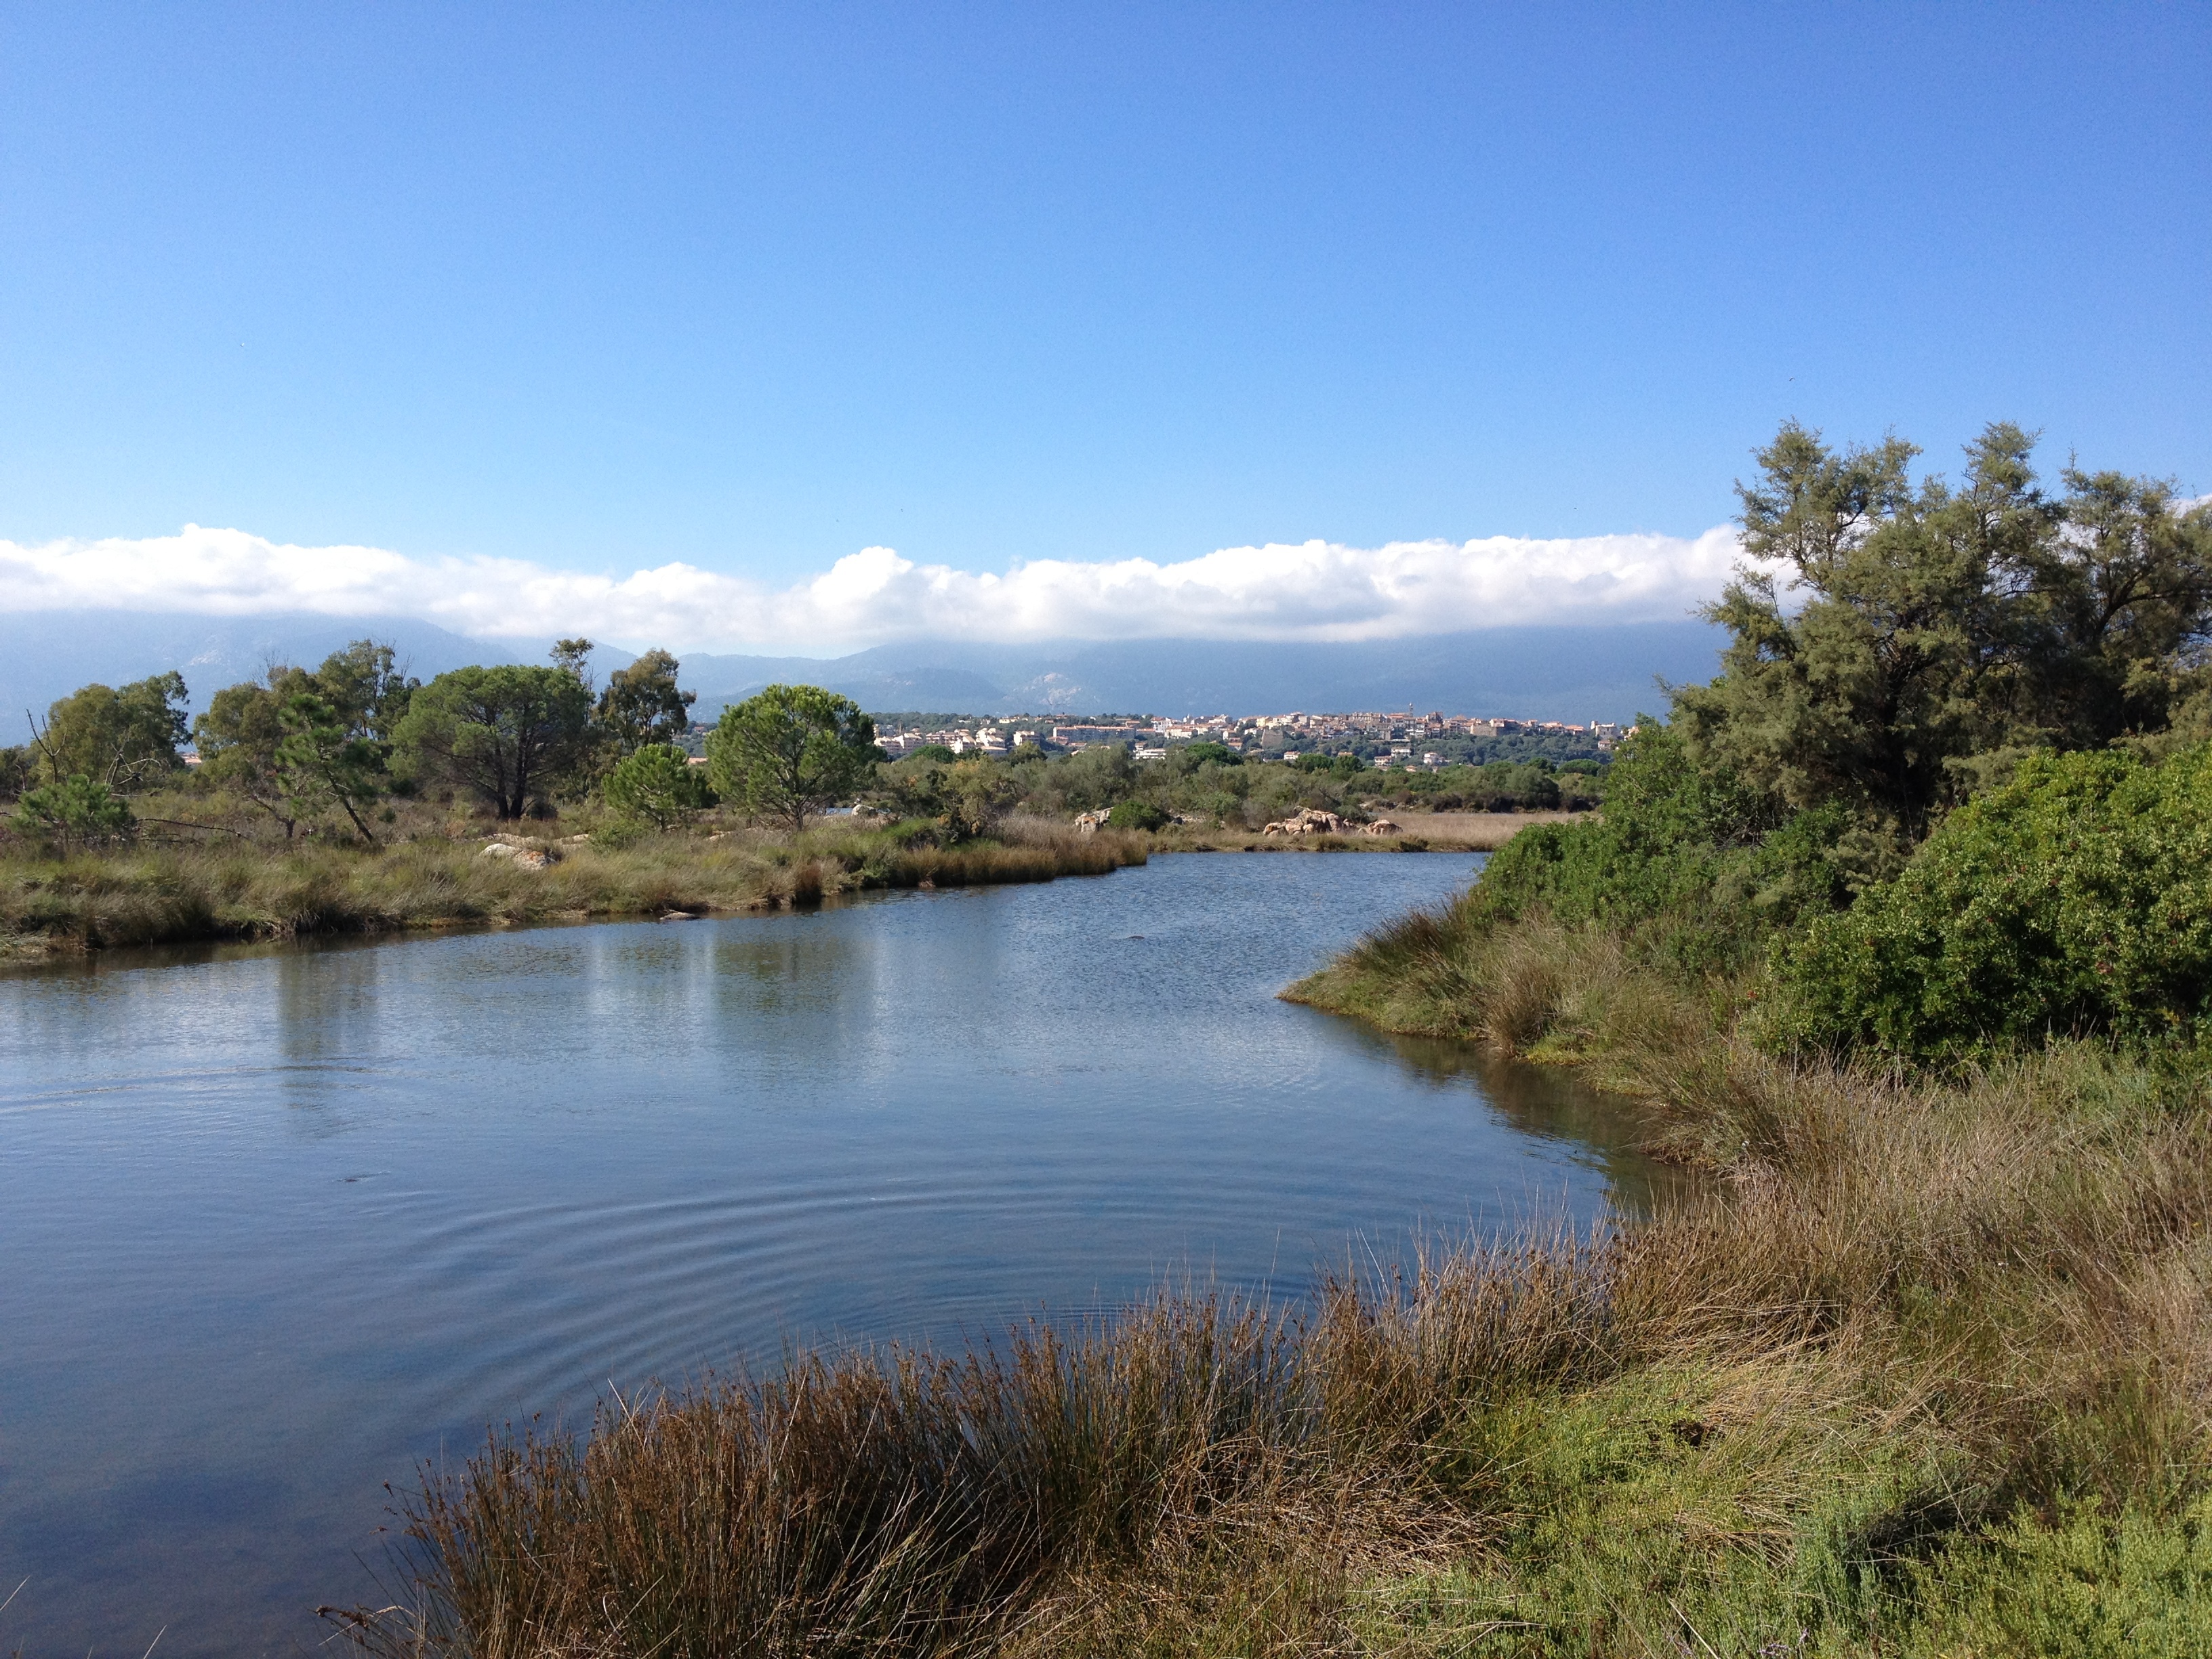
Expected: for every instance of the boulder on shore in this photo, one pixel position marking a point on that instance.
(520, 854)
(1310, 821)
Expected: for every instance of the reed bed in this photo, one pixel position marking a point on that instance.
(238, 889)
(1926, 1369)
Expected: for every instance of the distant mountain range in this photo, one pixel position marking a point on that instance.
(46, 654)
(1609, 673)
(1576, 673)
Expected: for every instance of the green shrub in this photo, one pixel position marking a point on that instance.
(1136, 815)
(658, 784)
(1694, 868)
(78, 812)
(2077, 899)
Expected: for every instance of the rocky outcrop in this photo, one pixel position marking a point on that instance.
(522, 854)
(1380, 826)
(1310, 821)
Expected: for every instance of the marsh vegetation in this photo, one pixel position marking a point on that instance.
(1896, 930)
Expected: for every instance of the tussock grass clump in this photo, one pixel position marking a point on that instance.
(897, 1501)
(1919, 1342)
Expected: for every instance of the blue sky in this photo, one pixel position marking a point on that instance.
(602, 288)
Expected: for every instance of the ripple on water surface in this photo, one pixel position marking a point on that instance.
(278, 1223)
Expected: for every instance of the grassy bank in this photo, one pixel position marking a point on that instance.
(1925, 1374)
(212, 884)
(239, 889)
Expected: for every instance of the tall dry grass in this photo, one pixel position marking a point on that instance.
(235, 890)
(897, 1501)
(1907, 1315)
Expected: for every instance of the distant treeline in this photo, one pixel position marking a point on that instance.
(349, 747)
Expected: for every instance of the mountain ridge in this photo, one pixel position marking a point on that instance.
(1552, 673)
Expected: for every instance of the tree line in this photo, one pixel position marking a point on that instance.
(333, 745)
(333, 749)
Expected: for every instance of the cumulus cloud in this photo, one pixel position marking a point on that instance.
(1309, 591)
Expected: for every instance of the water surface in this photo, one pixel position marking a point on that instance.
(276, 1224)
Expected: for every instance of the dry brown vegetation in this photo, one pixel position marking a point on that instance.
(1924, 1368)
(231, 888)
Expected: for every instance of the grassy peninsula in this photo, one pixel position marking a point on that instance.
(147, 894)
(1901, 929)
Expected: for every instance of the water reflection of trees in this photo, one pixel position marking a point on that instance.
(1552, 1101)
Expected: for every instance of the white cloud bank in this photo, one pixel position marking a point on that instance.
(1313, 591)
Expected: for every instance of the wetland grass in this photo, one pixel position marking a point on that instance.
(1924, 1369)
(160, 893)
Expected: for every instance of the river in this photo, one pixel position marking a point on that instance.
(277, 1224)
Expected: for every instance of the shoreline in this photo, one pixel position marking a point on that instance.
(56, 909)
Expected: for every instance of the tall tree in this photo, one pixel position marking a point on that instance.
(2114, 601)
(1930, 636)
(1862, 693)
(293, 758)
(366, 690)
(574, 657)
(791, 750)
(506, 734)
(324, 763)
(642, 704)
(239, 737)
(125, 739)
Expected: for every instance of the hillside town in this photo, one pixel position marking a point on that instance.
(1405, 740)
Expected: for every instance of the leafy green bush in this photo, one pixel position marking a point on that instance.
(1695, 868)
(658, 784)
(2077, 899)
(1136, 815)
(78, 812)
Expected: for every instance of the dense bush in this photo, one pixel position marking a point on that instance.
(1697, 869)
(2077, 899)
(658, 784)
(1136, 815)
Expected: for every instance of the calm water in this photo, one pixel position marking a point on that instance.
(276, 1225)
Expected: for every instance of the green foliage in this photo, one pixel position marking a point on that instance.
(364, 687)
(936, 753)
(324, 763)
(962, 801)
(573, 659)
(1136, 815)
(303, 743)
(1943, 632)
(658, 784)
(2075, 899)
(1694, 866)
(1202, 754)
(2138, 1585)
(78, 811)
(508, 734)
(642, 704)
(1341, 766)
(238, 739)
(790, 750)
(125, 739)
